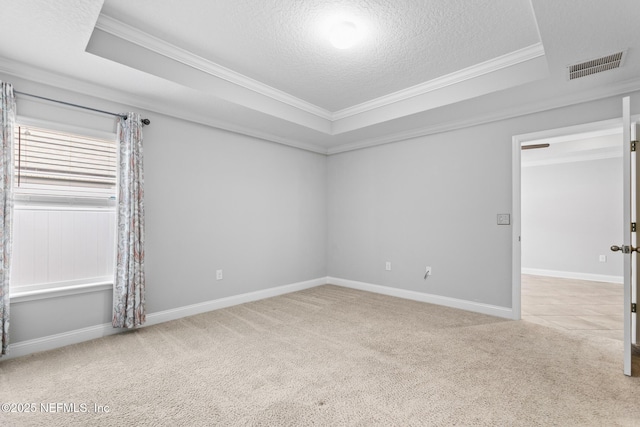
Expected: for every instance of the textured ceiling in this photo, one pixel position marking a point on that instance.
(69, 26)
(283, 44)
(265, 68)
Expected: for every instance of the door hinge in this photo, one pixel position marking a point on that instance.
(633, 227)
(633, 145)
(633, 307)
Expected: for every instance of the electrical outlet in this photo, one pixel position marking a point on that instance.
(387, 266)
(218, 274)
(603, 258)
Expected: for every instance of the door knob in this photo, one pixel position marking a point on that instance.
(624, 249)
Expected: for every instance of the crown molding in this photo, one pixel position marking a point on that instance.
(531, 108)
(505, 61)
(159, 46)
(126, 32)
(38, 75)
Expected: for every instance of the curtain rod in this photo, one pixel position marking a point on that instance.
(144, 121)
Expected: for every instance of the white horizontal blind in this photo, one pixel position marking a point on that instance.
(50, 158)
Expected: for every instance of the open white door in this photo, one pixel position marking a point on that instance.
(635, 273)
(631, 181)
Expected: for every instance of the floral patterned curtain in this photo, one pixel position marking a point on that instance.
(129, 283)
(8, 115)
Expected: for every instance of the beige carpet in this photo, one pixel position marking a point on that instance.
(328, 356)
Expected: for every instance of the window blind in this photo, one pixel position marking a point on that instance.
(45, 157)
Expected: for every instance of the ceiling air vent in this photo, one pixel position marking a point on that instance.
(594, 66)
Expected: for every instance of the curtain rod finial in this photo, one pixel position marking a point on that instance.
(146, 122)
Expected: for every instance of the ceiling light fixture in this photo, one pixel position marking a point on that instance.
(343, 34)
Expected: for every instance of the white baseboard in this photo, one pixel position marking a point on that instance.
(477, 307)
(573, 275)
(85, 334)
(203, 307)
(51, 342)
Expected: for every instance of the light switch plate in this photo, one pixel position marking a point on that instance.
(504, 219)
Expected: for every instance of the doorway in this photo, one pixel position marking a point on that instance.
(564, 275)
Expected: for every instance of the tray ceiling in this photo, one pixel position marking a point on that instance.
(266, 68)
(283, 43)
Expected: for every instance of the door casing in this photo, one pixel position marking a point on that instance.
(517, 142)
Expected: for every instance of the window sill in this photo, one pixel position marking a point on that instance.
(18, 296)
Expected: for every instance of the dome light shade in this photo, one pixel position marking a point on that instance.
(343, 34)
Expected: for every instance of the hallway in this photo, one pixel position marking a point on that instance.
(583, 307)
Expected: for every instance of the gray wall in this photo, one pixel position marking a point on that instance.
(429, 201)
(571, 214)
(214, 200)
(270, 215)
(433, 201)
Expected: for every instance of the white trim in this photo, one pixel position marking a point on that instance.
(126, 32)
(159, 46)
(80, 335)
(325, 121)
(516, 229)
(495, 64)
(573, 275)
(76, 336)
(516, 142)
(480, 119)
(38, 75)
(203, 307)
(19, 294)
(51, 342)
(476, 307)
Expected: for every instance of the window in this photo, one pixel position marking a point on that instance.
(64, 217)
(53, 163)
